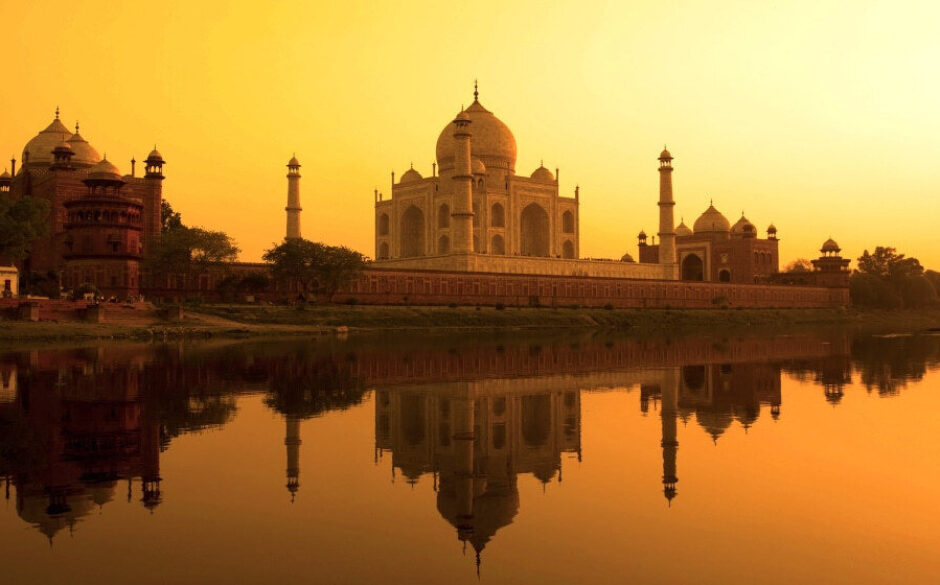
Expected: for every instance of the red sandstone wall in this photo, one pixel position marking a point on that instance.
(425, 287)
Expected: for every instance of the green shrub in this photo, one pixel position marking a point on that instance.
(608, 307)
(500, 306)
(452, 305)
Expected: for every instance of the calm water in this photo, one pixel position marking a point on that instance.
(578, 459)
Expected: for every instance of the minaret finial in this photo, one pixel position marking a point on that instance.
(476, 92)
(76, 126)
(57, 112)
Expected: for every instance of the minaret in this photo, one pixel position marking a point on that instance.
(670, 444)
(462, 214)
(292, 440)
(293, 198)
(667, 230)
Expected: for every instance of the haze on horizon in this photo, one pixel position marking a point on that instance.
(820, 117)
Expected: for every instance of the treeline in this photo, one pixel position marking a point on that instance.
(885, 279)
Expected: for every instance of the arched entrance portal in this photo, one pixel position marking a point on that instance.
(693, 268)
(724, 276)
(534, 231)
(412, 233)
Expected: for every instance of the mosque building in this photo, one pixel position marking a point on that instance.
(101, 221)
(713, 249)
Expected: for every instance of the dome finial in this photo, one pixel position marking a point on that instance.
(76, 126)
(476, 93)
(57, 112)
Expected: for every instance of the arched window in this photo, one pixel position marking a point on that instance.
(498, 216)
(443, 216)
(567, 222)
(443, 245)
(497, 245)
(476, 214)
(724, 276)
(383, 251)
(567, 249)
(383, 224)
(412, 233)
(476, 244)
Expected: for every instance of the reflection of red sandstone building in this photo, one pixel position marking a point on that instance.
(91, 430)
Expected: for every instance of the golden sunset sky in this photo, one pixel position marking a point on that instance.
(821, 117)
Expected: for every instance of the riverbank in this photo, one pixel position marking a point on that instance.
(404, 317)
(241, 321)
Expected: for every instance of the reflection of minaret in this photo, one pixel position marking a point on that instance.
(150, 462)
(464, 420)
(669, 411)
(292, 440)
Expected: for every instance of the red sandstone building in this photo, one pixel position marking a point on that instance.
(101, 222)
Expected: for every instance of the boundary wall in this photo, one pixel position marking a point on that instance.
(426, 287)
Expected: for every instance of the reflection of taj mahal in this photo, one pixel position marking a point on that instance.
(475, 438)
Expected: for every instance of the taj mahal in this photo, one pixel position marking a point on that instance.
(474, 213)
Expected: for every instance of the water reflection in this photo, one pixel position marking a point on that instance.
(82, 428)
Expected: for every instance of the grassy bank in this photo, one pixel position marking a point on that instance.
(237, 321)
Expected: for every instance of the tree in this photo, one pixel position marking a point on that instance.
(314, 266)
(900, 281)
(169, 219)
(22, 222)
(184, 249)
(799, 265)
(886, 263)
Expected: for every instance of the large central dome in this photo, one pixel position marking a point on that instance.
(491, 141)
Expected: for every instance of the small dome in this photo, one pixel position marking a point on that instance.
(711, 221)
(641, 235)
(104, 171)
(62, 147)
(627, 258)
(39, 149)
(771, 229)
(683, 230)
(293, 162)
(477, 166)
(410, 176)
(155, 156)
(542, 174)
(830, 245)
(743, 227)
(490, 140)
(85, 153)
(5, 175)
(664, 155)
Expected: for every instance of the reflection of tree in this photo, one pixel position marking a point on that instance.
(888, 363)
(20, 448)
(306, 385)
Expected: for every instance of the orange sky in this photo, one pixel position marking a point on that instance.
(818, 116)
